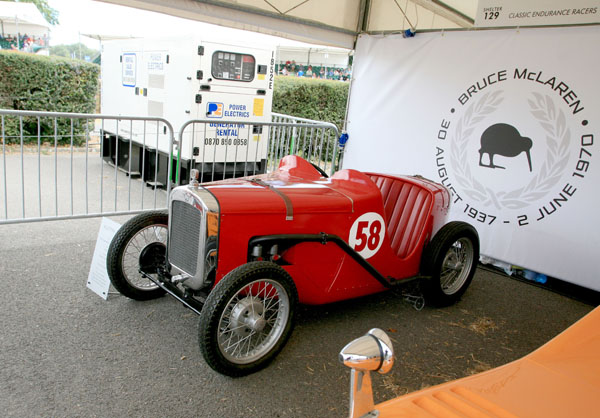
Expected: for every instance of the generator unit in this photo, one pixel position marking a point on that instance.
(226, 85)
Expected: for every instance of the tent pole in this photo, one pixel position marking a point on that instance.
(18, 34)
(345, 126)
(363, 18)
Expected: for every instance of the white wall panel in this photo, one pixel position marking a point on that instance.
(429, 104)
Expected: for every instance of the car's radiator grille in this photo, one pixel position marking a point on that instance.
(185, 236)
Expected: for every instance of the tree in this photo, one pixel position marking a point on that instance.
(50, 14)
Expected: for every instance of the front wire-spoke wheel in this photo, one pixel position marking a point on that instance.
(139, 244)
(247, 318)
(450, 261)
(253, 321)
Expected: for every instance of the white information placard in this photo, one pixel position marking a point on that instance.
(505, 13)
(98, 280)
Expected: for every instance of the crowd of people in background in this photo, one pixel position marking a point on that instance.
(23, 42)
(290, 68)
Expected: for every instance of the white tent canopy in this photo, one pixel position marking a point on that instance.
(22, 18)
(331, 22)
(320, 56)
(105, 37)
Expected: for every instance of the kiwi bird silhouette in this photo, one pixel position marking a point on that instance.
(505, 140)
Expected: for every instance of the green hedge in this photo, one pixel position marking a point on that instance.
(311, 98)
(54, 84)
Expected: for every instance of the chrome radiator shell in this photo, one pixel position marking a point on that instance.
(189, 209)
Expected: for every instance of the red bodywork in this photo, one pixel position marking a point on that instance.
(296, 199)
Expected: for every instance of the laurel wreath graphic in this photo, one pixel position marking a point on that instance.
(558, 137)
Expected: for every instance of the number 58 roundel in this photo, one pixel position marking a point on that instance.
(366, 234)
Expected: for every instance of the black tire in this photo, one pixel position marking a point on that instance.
(450, 259)
(141, 236)
(235, 314)
(210, 260)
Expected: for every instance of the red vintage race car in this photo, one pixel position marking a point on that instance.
(242, 253)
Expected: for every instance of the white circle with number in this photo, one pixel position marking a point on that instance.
(366, 234)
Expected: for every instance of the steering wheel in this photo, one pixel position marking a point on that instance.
(320, 170)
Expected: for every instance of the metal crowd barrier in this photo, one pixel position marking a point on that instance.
(58, 166)
(315, 141)
(244, 149)
(52, 170)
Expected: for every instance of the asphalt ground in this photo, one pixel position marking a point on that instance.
(65, 352)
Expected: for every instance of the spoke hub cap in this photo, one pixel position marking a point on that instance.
(247, 316)
(453, 262)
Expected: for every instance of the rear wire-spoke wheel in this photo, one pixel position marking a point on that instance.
(139, 244)
(247, 318)
(450, 260)
(456, 266)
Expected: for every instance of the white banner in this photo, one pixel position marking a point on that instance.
(502, 13)
(507, 120)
